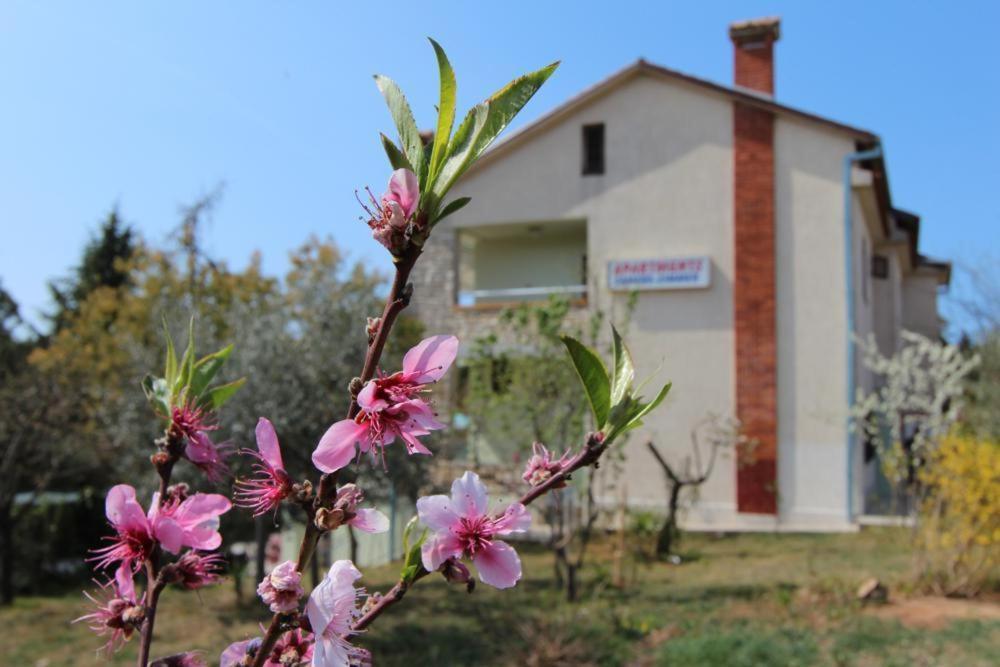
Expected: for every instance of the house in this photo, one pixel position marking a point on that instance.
(760, 239)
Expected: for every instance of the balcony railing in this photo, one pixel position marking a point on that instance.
(515, 294)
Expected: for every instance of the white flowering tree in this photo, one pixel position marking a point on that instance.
(917, 399)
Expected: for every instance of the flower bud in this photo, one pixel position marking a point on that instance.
(282, 588)
(456, 572)
(329, 519)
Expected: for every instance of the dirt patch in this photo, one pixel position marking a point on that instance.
(936, 612)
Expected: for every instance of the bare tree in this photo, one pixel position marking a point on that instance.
(716, 433)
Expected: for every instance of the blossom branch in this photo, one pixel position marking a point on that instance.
(171, 447)
(591, 453)
(397, 300)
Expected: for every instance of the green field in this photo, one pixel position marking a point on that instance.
(737, 600)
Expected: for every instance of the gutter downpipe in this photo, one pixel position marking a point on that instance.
(849, 161)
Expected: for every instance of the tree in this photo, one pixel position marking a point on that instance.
(717, 433)
(32, 457)
(919, 398)
(295, 336)
(104, 264)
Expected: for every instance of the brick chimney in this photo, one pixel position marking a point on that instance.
(753, 50)
(754, 291)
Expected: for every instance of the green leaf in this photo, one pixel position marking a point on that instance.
(170, 372)
(594, 378)
(157, 394)
(206, 369)
(460, 150)
(446, 110)
(216, 397)
(411, 558)
(646, 409)
(402, 116)
(508, 101)
(624, 369)
(396, 158)
(451, 207)
(484, 123)
(407, 530)
(186, 364)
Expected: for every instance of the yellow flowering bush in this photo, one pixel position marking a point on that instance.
(959, 527)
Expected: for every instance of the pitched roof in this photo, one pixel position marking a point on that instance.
(642, 67)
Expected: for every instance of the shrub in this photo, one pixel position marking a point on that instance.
(959, 530)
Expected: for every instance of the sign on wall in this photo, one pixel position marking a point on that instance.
(665, 273)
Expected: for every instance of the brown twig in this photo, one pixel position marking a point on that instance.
(164, 462)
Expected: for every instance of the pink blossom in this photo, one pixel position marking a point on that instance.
(462, 527)
(367, 520)
(541, 465)
(403, 193)
(389, 217)
(194, 424)
(118, 613)
(282, 588)
(240, 654)
(192, 522)
(332, 608)
(391, 407)
(292, 648)
(194, 570)
(135, 539)
(272, 484)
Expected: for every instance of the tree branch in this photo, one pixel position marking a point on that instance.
(396, 301)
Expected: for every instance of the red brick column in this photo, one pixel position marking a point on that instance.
(755, 310)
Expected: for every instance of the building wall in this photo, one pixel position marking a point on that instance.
(888, 293)
(667, 191)
(812, 324)
(920, 304)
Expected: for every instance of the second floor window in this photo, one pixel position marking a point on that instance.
(593, 149)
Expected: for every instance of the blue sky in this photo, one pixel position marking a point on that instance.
(149, 105)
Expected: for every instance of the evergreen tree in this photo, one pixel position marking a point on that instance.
(103, 265)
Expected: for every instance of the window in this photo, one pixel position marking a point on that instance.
(593, 149)
(880, 266)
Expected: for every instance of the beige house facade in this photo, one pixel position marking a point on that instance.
(759, 240)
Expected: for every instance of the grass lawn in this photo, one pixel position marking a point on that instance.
(737, 600)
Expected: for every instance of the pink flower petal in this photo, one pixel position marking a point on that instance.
(438, 548)
(404, 189)
(431, 358)
(370, 521)
(168, 533)
(414, 446)
(498, 565)
(436, 513)
(123, 510)
(336, 448)
(367, 399)
(234, 653)
(421, 414)
(516, 519)
(124, 584)
(267, 444)
(332, 601)
(468, 496)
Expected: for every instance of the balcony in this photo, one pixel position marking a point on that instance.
(502, 265)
